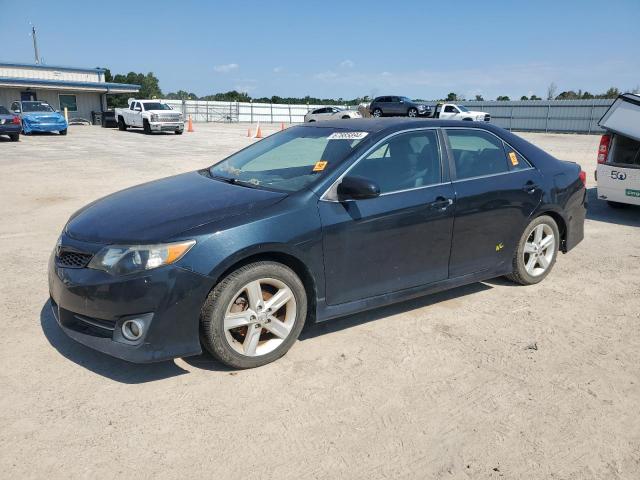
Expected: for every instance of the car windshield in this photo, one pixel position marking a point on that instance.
(4, 111)
(156, 106)
(462, 109)
(290, 160)
(36, 107)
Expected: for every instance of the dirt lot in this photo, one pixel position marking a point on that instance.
(440, 387)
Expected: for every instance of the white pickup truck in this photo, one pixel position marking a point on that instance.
(451, 111)
(151, 115)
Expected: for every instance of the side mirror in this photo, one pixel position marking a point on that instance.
(16, 111)
(357, 188)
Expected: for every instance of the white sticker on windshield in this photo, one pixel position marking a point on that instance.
(347, 135)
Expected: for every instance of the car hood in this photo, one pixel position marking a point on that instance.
(159, 210)
(42, 116)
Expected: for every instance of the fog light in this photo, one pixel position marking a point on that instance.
(133, 329)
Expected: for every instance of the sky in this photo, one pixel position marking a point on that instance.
(340, 49)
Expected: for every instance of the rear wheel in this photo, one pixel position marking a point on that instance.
(346, 117)
(15, 137)
(537, 251)
(377, 113)
(121, 125)
(146, 126)
(254, 315)
(412, 112)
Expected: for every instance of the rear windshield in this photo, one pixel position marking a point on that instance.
(4, 111)
(36, 107)
(156, 106)
(290, 160)
(626, 151)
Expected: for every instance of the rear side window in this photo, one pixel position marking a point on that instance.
(405, 161)
(476, 153)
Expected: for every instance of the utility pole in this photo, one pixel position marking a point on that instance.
(35, 45)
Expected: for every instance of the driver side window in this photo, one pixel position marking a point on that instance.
(405, 161)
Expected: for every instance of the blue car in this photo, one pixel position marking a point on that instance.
(39, 117)
(9, 124)
(312, 223)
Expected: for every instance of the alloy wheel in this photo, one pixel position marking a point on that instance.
(260, 317)
(539, 250)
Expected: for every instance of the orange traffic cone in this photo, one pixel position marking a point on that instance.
(249, 132)
(281, 126)
(258, 132)
(190, 125)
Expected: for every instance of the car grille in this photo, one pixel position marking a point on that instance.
(72, 259)
(168, 118)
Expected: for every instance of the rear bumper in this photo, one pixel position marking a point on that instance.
(10, 129)
(90, 306)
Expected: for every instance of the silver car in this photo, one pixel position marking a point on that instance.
(330, 113)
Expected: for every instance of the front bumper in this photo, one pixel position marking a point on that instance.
(29, 127)
(90, 307)
(166, 126)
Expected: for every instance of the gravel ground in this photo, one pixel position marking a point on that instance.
(490, 380)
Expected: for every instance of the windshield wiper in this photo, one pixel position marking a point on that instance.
(236, 181)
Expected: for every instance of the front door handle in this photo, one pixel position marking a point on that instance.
(441, 203)
(530, 187)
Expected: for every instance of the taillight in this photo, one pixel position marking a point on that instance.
(583, 177)
(16, 120)
(603, 150)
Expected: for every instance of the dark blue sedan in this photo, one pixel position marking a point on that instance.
(316, 222)
(9, 124)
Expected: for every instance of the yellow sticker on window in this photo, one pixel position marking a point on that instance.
(320, 166)
(513, 158)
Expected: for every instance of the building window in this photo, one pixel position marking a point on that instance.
(68, 101)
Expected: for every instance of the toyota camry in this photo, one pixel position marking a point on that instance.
(315, 222)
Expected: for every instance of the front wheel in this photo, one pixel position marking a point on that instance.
(63, 132)
(537, 251)
(121, 125)
(254, 315)
(146, 126)
(412, 113)
(179, 132)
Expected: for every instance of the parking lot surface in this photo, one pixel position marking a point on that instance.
(490, 380)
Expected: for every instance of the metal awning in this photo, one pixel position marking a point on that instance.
(101, 87)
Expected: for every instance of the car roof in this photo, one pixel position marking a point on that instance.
(389, 125)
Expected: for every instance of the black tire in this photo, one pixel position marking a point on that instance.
(179, 132)
(346, 117)
(412, 112)
(63, 132)
(377, 113)
(146, 126)
(15, 137)
(617, 205)
(213, 311)
(312, 120)
(520, 274)
(121, 125)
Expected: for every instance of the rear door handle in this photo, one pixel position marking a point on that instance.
(441, 203)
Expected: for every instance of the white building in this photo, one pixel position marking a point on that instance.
(81, 90)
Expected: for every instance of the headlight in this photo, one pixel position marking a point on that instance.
(421, 107)
(154, 117)
(125, 259)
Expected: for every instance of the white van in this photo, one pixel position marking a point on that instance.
(618, 172)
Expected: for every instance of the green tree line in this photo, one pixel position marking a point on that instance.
(150, 88)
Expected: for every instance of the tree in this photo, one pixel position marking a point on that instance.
(551, 91)
(524, 97)
(452, 97)
(503, 98)
(149, 86)
(535, 97)
(568, 95)
(613, 92)
(479, 98)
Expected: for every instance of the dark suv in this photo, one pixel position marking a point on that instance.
(392, 106)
